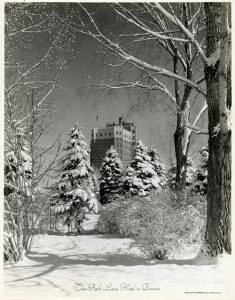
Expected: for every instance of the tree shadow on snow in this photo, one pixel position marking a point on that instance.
(54, 262)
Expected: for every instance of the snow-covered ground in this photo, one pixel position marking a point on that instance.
(105, 266)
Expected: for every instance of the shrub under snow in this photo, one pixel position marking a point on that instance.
(157, 227)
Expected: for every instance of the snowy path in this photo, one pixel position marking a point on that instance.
(58, 264)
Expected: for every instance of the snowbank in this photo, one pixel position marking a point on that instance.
(104, 266)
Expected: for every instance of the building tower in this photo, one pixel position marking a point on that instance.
(122, 136)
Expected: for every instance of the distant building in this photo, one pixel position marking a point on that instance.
(122, 136)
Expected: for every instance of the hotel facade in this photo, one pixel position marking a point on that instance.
(121, 135)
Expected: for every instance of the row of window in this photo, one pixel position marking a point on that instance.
(117, 132)
(104, 140)
(117, 139)
(103, 134)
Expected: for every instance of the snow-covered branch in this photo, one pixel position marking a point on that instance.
(115, 47)
(173, 18)
(137, 22)
(34, 68)
(196, 130)
(201, 112)
(138, 84)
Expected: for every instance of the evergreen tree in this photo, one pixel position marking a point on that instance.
(159, 167)
(141, 177)
(75, 191)
(200, 185)
(18, 166)
(111, 173)
(189, 174)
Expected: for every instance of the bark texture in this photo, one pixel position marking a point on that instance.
(225, 106)
(217, 236)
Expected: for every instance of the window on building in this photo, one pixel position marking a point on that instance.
(101, 134)
(109, 133)
(133, 131)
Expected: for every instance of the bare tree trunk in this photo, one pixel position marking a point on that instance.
(179, 134)
(68, 228)
(25, 222)
(27, 233)
(181, 137)
(217, 236)
(20, 228)
(225, 106)
(50, 218)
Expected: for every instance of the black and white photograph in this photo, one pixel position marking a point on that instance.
(117, 154)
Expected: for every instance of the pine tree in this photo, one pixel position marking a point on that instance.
(111, 173)
(159, 167)
(75, 191)
(140, 178)
(200, 184)
(171, 174)
(18, 166)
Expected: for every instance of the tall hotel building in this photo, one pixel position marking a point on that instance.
(122, 136)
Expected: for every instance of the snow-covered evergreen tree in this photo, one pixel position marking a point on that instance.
(18, 166)
(200, 184)
(141, 177)
(111, 174)
(189, 175)
(75, 191)
(159, 167)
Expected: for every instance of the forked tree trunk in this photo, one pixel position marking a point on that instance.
(217, 236)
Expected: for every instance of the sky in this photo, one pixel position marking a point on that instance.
(153, 126)
(76, 101)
